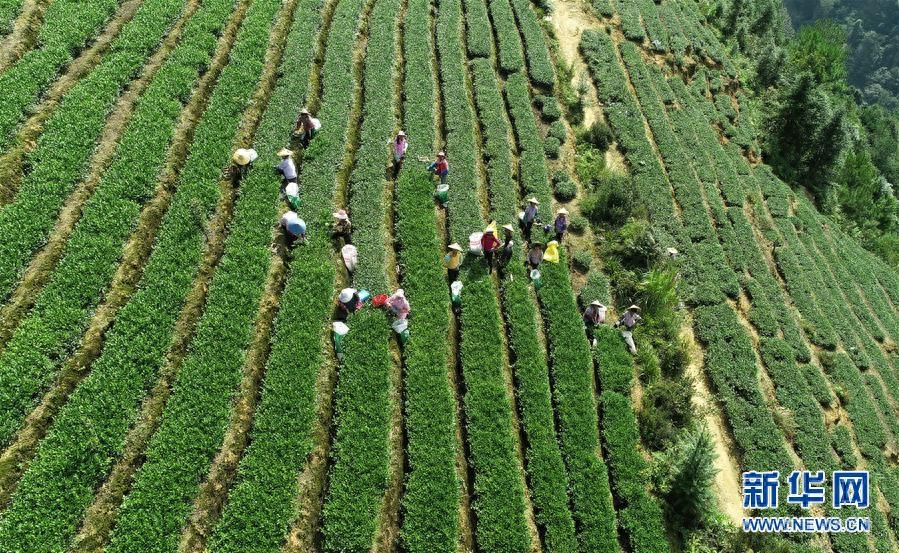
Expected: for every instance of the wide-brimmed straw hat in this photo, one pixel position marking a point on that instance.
(597, 303)
(509, 227)
(441, 153)
(533, 201)
(242, 156)
(341, 214)
(285, 152)
(456, 247)
(304, 111)
(563, 211)
(633, 308)
(401, 133)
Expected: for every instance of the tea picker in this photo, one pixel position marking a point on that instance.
(452, 260)
(629, 319)
(286, 167)
(243, 158)
(294, 227)
(594, 315)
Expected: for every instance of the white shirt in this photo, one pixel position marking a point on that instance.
(316, 124)
(288, 169)
(292, 189)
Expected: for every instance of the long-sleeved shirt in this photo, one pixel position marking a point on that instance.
(561, 224)
(595, 314)
(287, 168)
(530, 214)
(629, 320)
(440, 167)
(399, 305)
(399, 148)
(489, 242)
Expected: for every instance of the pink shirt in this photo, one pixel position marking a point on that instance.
(399, 147)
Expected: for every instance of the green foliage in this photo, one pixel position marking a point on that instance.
(565, 189)
(549, 108)
(544, 455)
(551, 146)
(578, 224)
(360, 450)
(557, 130)
(666, 409)
(70, 465)
(536, 52)
(200, 403)
(820, 49)
(497, 480)
(599, 135)
(508, 40)
(689, 480)
(62, 154)
(806, 135)
(869, 204)
(658, 292)
(641, 514)
(66, 28)
(431, 498)
(47, 336)
(612, 202)
(582, 260)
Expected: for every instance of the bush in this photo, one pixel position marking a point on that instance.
(549, 108)
(589, 165)
(674, 356)
(582, 260)
(666, 409)
(557, 130)
(599, 135)
(552, 146)
(566, 190)
(613, 201)
(688, 486)
(578, 224)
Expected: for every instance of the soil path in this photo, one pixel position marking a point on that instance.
(570, 20)
(727, 480)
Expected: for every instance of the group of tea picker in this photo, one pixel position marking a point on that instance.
(496, 250)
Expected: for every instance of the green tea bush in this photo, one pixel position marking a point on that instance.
(558, 131)
(565, 190)
(552, 146)
(581, 260)
(549, 108)
(578, 224)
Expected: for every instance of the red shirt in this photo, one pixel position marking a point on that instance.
(441, 166)
(489, 242)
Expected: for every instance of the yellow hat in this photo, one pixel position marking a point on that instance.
(285, 152)
(241, 156)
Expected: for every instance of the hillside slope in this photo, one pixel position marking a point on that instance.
(798, 323)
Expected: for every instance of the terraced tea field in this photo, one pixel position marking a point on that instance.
(167, 376)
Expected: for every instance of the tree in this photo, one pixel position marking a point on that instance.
(688, 486)
(820, 49)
